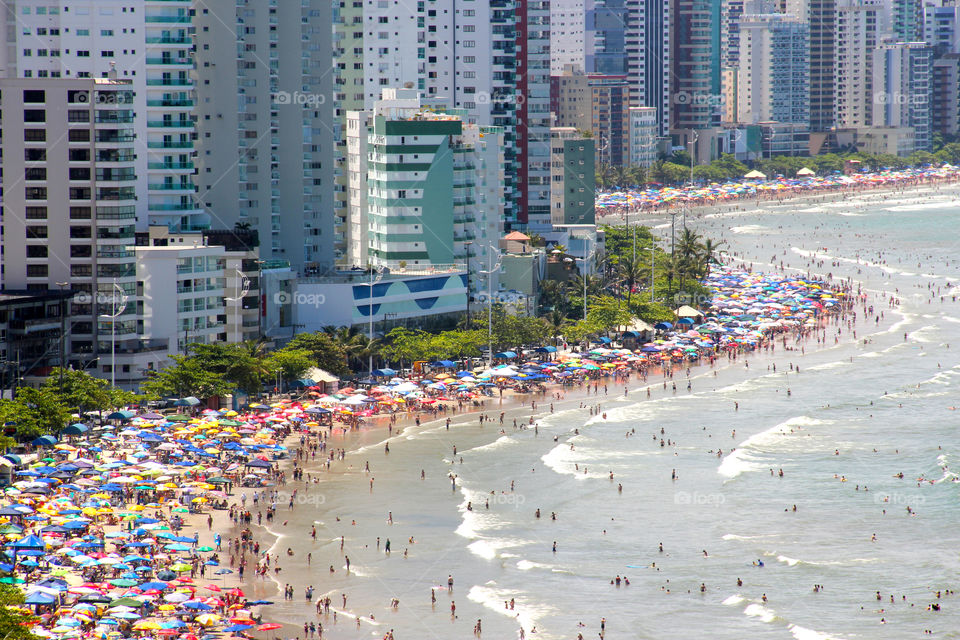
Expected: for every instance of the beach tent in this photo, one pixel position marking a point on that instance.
(755, 175)
(806, 172)
(687, 311)
(44, 441)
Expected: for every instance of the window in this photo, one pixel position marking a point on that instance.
(35, 155)
(31, 96)
(469, 59)
(35, 213)
(35, 173)
(106, 32)
(469, 28)
(79, 193)
(78, 135)
(79, 155)
(36, 251)
(35, 193)
(36, 232)
(80, 213)
(83, 53)
(80, 251)
(79, 232)
(78, 115)
(83, 32)
(105, 53)
(469, 13)
(469, 43)
(37, 270)
(81, 270)
(80, 173)
(27, 53)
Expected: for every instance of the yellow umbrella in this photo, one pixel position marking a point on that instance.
(207, 619)
(146, 625)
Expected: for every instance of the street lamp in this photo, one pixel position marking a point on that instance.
(260, 264)
(586, 260)
(467, 245)
(113, 329)
(653, 265)
(379, 273)
(63, 331)
(243, 286)
(489, 273)
(692, 143)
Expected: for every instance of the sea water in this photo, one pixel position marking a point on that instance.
(857, 411)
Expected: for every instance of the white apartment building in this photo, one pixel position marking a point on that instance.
(773, 81)
(69, 200)
(147, 43)
(903, 89)
(265, 125)
(856, 38)
(567, 26)
(643, 136)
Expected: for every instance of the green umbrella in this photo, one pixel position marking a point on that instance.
(181, 510)
(180, 567)
(124, 582)
(12, 580)
(205, 549)
(178, 417)
(126, 602)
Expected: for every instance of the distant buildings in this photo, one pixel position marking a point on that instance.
(572, 181)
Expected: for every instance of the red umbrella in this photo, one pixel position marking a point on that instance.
(212, 587)
(270, 626)
(236, 592)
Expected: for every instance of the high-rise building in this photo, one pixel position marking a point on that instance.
(150, 45)
(856, 38)
(610, 118)
(903, 89)
(821, 15)
(572, 175)
(265, 158)
(596, 103)
(773, 73)
(941, 26)
(433, 185)
(567, 27)
(692, 102)
(69, 201)
(902, 20)
(533, 113)
(649, 57)
(643, 136)
(605, 36)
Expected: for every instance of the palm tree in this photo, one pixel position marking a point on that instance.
(708, 255)
(631, 272)
(241, 226)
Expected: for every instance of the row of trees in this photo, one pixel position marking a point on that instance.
(675, 169)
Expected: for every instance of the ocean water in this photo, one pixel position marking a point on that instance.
(857, 414)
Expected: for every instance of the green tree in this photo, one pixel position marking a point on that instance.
(187, 377)
(13, 624)
(34, 412)
(291, 363)
(81, 391)
(631, 272)
(324, 351)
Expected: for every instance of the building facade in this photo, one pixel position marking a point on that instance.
(649, 57)
(643, 136)
(572, 180)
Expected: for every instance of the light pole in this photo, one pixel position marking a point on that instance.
(588, 254)
(63, 331)
(243, 287)
(653, 264)
(692, 143)
(260, 264)
(379, 273)
(113, 329)
(467, 245)
(489, 273)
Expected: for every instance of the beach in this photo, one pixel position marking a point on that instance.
(795, 484)
(819, 425)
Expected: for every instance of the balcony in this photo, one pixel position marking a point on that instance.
(170, 82)
(172, 207)
(171, 124)
(169, 144)
(171, 102)
(170, 62)
(168, 19)
(170, 187)
(185, 41)
(169, 166)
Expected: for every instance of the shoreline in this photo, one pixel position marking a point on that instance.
(638, 215)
